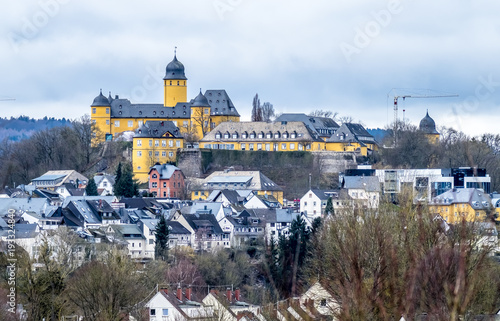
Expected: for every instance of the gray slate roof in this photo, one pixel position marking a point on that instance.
(165, 170)
(473, 196)
(351, 132)
(368, 183)
(324, 126)
(99, 178)
(218, 100)
(299, 128)
(157, 129)
(220, 103)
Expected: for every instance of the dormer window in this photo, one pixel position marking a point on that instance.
(154, 112)
(173, 112)
(293, 135)
(218, 135)
(261, 135)
(235, 135)
(162, 112)
(244, 135)
(285, 135)
(252, 135)
(269, 135)
(140, 112)
(226, 135)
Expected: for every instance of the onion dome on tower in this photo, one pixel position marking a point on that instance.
(200, 101)
(100, 101)
(175, 70)
(428, 126)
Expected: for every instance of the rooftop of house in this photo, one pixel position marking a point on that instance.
(157, 129)
(251, 180)
(165, 170)
(475, 197)
(295, 131)
(367, 183)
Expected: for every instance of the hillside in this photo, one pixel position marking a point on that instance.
(22, 127)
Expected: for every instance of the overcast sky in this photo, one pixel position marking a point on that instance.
(344, 55)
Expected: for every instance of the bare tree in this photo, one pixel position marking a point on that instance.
(267, 112)
(324, 113)
(401, 262)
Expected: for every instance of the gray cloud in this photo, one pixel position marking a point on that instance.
(290, 52)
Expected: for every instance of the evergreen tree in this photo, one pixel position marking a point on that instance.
(291, 255)
(91, 188)
(329, 210)
(125, 185)
(118, 173)
(161, 239)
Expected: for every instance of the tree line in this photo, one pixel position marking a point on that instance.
(57, 148)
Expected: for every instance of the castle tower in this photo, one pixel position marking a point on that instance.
(175, 83)
(100, 114)
(428, 126)
(200, 115)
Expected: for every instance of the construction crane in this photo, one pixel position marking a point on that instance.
(430, 94)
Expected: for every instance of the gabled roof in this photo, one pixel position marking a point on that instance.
(197, 221)
(220, 103)
(62, 176)
(322, 194)
(351, 132)
(157, 129)
(123, 108)
(165, 170)
(99, 178)
(319, 124)
(84, 210)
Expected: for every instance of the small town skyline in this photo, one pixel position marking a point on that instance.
(344, 58)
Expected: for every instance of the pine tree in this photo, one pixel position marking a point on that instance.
(161, 239)
(91, 188)
(125, 185)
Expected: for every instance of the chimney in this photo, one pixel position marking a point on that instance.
(237, 294)
(188, 293)
(179, 293)
(164, 290)
(228, 294)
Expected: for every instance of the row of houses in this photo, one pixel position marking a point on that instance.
(131, 223)
(181, 304)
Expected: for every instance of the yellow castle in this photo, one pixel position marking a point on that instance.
(194, 118)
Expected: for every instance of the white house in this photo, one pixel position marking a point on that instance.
(177, 305)
(364, 190)
(104, 184)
